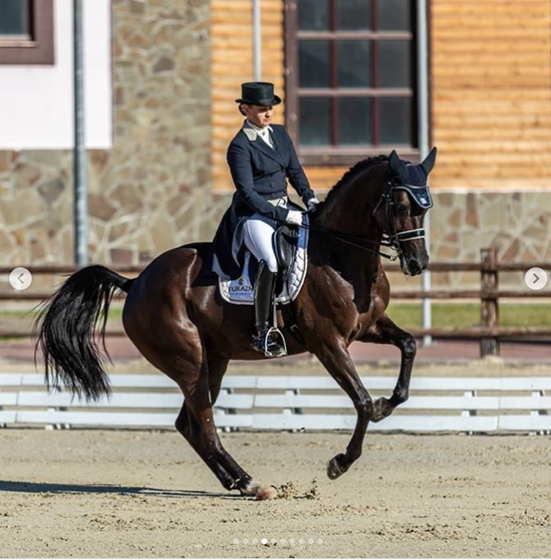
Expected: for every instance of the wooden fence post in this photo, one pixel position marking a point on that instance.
(489, 307)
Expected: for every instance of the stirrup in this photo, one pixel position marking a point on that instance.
(261, 343)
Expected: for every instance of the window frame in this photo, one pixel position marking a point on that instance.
(39, 49)
(342, 155)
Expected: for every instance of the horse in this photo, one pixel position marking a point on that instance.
(183, 327)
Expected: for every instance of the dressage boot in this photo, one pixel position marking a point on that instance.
(264, 289)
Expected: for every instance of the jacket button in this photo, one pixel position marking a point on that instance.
(272, 184)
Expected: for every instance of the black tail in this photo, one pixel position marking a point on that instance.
(66, 330)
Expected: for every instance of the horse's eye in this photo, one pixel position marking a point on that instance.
(401, 210)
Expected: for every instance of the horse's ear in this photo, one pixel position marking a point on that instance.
(429, 161)
(397, 166)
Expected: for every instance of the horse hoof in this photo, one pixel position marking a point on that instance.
(381, 409)
(334, 469)
(259, 492)
(266, 493)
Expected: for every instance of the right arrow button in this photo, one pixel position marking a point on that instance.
(536, 278)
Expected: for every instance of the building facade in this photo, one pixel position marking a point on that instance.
(162, 78)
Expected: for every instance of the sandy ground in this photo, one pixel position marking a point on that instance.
(146, 494)
(87, 493)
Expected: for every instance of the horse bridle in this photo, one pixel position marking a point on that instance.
(392, 238)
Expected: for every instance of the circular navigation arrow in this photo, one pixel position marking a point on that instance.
(536, 278)
(20, 278)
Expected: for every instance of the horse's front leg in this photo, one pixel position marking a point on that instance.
(386, 332)
(337, 361)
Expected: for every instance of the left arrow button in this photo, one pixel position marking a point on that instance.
(20, 278)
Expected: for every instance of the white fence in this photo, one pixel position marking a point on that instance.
(454, 404)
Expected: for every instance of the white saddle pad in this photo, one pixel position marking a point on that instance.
(241, 290)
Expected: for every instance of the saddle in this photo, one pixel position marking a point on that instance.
(286, 246)
(291, 243)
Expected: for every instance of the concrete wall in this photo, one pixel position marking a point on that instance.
(36, 101)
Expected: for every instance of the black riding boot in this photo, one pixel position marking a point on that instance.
(264, 289)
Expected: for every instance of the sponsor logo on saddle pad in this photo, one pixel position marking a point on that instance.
(241, 290)
(241, 287)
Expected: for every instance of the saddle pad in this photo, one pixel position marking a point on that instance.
(241, 290)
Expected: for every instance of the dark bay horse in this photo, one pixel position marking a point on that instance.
(185, 329)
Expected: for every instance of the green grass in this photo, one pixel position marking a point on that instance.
(114, 313)
(408, 315)
(16, 313)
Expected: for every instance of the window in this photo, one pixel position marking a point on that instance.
(26, 32)
(351, 73)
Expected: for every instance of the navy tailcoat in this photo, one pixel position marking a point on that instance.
(260, 174)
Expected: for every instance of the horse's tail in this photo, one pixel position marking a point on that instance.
(66, 331)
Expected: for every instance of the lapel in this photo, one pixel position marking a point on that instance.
(259, 144)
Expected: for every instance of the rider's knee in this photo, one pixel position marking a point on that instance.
(271, 263)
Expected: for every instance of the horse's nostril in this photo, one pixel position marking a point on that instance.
(414, 265)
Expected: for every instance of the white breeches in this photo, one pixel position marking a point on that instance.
(259, 232)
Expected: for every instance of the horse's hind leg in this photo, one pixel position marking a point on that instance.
(243, 481)
(188, 427)
(386, 332)
(198, 418)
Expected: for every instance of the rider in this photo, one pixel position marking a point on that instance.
(261, 156)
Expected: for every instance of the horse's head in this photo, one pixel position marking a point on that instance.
(402, 209)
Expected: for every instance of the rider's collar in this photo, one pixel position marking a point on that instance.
(252, 131)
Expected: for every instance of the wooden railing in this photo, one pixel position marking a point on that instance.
(489, 332)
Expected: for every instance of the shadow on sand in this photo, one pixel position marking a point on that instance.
(52, 488)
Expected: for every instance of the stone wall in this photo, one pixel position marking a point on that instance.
(146, 192)
(154, 189)
(517, 224)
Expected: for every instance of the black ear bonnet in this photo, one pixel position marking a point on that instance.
(413, 180)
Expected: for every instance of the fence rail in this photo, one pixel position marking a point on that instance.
(489, 333)
(454, 404)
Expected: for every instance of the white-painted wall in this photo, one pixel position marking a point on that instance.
(36, 102)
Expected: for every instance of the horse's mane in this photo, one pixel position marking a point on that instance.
(356, 168)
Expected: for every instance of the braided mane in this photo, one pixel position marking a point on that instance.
(356, 168)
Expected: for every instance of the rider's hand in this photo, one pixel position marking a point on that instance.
(294, 217)
(313, 204)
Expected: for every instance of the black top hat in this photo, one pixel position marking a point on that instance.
(258, 93)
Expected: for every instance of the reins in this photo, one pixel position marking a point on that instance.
(392, 239)
(355, 241)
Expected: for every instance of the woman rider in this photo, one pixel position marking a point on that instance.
(261, 157)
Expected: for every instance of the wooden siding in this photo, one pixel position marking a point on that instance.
(232, 64)
(491, 93)
(490, 79)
